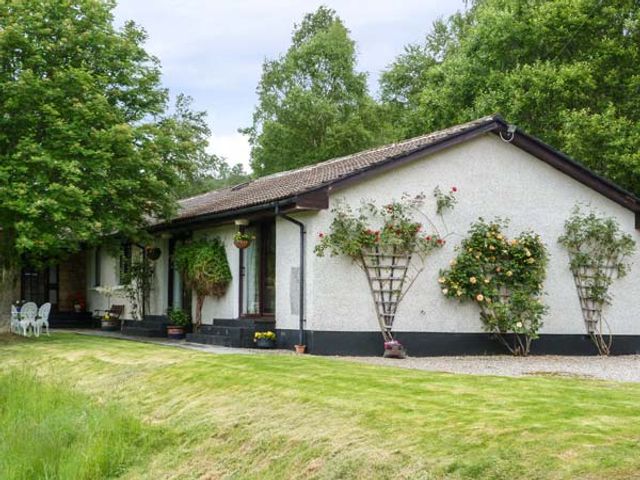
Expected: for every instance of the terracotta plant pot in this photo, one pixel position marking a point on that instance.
(300, 348)
(175, 332)
(242, 244)
(77, 308)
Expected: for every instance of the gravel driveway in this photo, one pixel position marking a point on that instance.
(624, 368)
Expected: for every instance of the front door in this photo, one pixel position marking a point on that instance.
(259, 272)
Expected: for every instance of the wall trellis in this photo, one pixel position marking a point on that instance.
(387, 271)
(598, 250)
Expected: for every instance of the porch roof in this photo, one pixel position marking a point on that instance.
(308, 187)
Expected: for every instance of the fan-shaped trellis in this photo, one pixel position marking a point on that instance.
(387, 272)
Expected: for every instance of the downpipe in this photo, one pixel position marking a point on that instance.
(303, 233)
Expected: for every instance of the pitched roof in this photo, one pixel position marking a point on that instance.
(291, 184)
(294, 182)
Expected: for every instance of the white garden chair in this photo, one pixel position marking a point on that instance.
(14, 327)
(28, 314)
(42, 319)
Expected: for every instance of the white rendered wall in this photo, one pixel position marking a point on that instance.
(494, 179)
(109, 276)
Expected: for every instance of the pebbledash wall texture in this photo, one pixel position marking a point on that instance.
(494, 179)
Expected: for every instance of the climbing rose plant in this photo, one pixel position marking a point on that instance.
(391, 227)
(598, 253)
(504, 278)
(383, 242)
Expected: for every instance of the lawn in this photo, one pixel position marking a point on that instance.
(113, 408)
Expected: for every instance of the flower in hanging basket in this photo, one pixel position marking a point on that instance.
(243, 240)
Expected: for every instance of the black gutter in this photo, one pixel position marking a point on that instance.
(303, 232)
(218, 216)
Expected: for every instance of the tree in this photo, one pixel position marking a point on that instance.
(563, 70)
(312, 105)
(224, 175)
(88, 146)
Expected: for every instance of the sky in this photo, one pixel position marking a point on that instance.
(213, 50)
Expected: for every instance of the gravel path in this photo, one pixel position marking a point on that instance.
(620, 368)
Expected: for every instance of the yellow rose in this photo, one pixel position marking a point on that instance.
(486, 280)
(509, 273)
(453, 263)
(445, 291)
(441, 280)
(473, 280)
(499, 236)
(459, 293)
(479, 297)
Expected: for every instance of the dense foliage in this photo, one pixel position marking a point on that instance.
(178, 317)
(390, 227)
(205, 268)
(312, 104)
(504, 278)
(563, 70)
(88, 143)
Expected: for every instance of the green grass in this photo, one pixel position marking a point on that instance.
(51, 432)
(262, 417)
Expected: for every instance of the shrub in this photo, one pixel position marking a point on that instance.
(205, 268)
(504, 278)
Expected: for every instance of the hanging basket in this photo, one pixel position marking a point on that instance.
(242, 244)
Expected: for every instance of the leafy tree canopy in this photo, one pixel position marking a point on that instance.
(564, 70)
(312, 104)
(88, 143)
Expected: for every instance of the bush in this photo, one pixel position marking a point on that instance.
(504, 278)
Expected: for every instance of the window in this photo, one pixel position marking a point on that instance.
(125, 264)
(96, 267)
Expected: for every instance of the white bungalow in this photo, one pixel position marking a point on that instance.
(499, 173)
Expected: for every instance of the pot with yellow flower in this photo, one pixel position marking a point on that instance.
(265, 339)
(242, 240)
(109, 322)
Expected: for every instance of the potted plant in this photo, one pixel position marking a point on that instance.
(77, 300)
(109, 323)
(265, 339)
(242, 240)
(300, 348)
(179, 320)
(394, 349)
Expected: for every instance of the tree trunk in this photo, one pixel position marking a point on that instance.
(199, 304)
(9, 293)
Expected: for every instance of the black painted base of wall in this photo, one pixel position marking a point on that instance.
(152, 326)
(431, 344)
